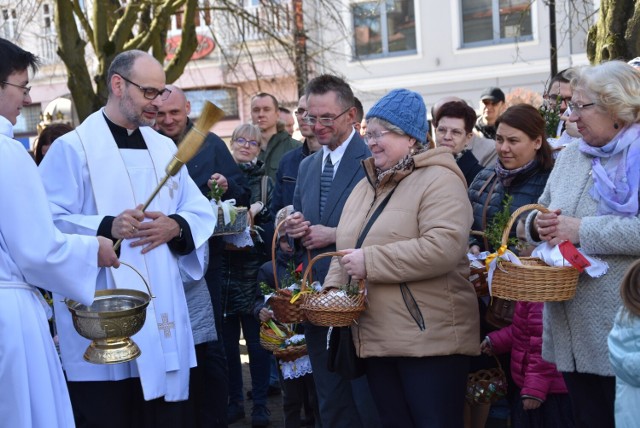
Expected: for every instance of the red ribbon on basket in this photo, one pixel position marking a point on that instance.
(573, 256)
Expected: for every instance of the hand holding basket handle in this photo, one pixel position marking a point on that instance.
(330, 307)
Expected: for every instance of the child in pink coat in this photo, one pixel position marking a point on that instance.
(543, 396)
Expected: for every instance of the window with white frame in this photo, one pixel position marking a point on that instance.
(225, 98)
(27, 121)
(487, 22)
(9, 25)
(49, 38)
(383, 28)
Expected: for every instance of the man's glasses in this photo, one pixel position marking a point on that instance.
(577, 107)
(26, 89)
(246, 143)
(324, 121)
(556, 99)
(374, 137)
(442, 131)
(150, 93)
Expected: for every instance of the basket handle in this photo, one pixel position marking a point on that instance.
(274, 241)
(515, 215)
(273, 253)
(308, 275)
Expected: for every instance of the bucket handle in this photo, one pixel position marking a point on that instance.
(141, 277)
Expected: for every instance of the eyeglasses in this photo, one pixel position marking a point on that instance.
(324, 121)
(553, 99)
(150, 93)
(577, 107)
(455, 132)
(300, 111)
(246, 143)
(374, 137)
(25, 88)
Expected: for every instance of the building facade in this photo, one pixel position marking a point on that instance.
(434, 47)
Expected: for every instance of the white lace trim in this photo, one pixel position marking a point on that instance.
(297, 368)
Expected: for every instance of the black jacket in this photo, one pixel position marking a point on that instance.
(525, 189)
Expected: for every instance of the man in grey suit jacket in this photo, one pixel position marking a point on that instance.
(331, 113)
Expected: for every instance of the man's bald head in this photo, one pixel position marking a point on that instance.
(173, 116)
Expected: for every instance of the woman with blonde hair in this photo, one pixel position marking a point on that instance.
(240, 285)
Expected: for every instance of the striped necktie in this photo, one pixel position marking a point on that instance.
(325, 182)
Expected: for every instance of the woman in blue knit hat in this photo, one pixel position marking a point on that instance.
(421, 324)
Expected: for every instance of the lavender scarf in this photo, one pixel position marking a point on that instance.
(616, 183)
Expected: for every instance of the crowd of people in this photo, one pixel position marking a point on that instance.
(406, 203)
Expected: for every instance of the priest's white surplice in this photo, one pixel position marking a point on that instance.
(33, 392)
(87, 178)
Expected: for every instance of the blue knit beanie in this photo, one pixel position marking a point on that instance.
(404, 109)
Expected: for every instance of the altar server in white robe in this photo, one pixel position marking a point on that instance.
(33, 253)
(97, 179)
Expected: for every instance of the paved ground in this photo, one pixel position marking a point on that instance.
(274, 403)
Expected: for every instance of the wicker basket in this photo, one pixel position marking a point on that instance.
(290, 353)
(272, 342)
(534, 281)
(238, 226)
(487, 386)
(478, 277)
(325, 308)
(283, 309)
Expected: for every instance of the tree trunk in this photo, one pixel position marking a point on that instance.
(71, 51)
(616, 35)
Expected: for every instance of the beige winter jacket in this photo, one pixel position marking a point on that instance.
(420, 239)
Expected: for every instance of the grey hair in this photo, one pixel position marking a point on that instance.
(614, 86)
(122, 64)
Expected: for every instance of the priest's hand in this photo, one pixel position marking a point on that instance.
(126, 224)
(106, 255)
(160, 230)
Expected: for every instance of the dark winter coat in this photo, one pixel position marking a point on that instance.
(240, 268)
(486, 190)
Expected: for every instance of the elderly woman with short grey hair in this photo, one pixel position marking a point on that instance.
(593, 194)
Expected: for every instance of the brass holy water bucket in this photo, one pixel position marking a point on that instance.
(109, 322)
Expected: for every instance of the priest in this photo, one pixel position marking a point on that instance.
(33, 253)
(97, 179)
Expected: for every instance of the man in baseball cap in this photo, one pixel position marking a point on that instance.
(493, 104)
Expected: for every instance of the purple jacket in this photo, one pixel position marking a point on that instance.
(523, 338)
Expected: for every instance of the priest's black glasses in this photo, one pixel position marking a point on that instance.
(150, 93)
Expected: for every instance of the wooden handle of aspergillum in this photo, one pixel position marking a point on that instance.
(187, 148)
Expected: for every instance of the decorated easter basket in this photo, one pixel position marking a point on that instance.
(487, 386)
(330, 307)
(534, 281)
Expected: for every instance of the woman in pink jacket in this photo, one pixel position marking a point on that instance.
(543, 399)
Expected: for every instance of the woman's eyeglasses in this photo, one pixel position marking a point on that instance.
(246, 143)
(374, 137)
(578, 107)
(455, 132)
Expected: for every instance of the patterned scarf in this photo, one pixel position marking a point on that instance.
(616, 183)
(506, 176)
(406, 163)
